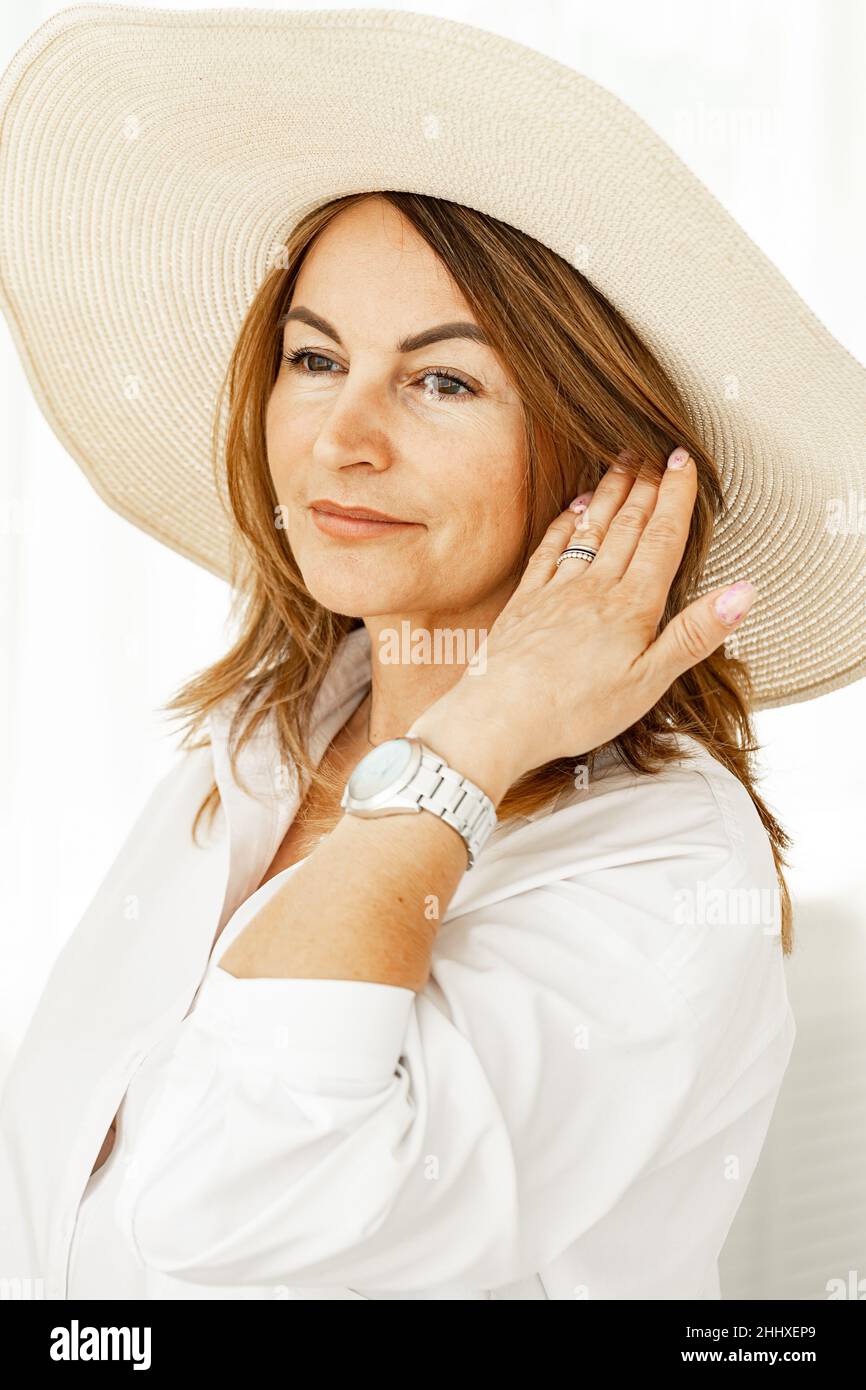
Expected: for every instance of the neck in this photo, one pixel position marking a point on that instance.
(414, 660)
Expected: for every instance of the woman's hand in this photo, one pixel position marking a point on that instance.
(573, 659)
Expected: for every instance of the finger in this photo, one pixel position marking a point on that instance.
(627, 525)
(591, 526)
(661, 544)
(542, 561)
(696, 632)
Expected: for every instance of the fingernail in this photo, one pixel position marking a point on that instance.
(679, 458)
(735, 601)
(581, 502)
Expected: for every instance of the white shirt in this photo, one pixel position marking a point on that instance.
(572, 1106)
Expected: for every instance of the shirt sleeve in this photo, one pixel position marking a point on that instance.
(352, 1133)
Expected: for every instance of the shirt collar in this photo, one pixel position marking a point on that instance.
(346, 680)
(259, 817)
(259, 822)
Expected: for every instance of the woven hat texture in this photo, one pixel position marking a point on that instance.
(153, 162)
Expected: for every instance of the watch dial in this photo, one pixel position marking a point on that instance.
(379, 768)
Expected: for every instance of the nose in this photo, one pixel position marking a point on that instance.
(357, 427)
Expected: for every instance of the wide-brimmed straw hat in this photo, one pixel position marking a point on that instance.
(153, 163)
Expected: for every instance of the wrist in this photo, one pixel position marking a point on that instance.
(462, 731)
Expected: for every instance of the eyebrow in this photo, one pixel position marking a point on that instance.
(414, 341)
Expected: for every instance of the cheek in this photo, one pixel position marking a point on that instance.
(485, 508)
(280, 433)
(489, 483)
(291, 428)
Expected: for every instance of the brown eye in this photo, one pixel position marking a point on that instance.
(463, 389)
(295, 358)
(439, 374)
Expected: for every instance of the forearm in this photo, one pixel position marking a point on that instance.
(367, 902)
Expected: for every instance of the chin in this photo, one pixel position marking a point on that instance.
(354, 599)
(357, 581)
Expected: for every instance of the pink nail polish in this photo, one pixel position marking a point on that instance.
(580, 503)
(731, 605)
(679, 458)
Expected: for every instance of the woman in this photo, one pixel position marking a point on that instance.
(347, 1052)
(562, 1081)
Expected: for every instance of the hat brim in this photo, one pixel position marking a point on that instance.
(152, 163)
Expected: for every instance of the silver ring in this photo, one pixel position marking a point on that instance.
(577, 552)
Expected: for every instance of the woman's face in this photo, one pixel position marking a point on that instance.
(368, 420)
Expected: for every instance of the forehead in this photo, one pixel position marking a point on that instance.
(371, 261)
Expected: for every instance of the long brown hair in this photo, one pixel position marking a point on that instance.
(608, 394)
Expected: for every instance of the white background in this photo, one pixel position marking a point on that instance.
(766, 101)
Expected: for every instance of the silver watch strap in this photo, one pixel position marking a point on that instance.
(456, 800)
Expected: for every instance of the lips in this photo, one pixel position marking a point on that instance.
(360, 513)
(357, 523)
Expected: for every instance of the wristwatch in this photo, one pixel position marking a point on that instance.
(403, 774)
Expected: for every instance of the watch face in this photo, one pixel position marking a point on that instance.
(379, 768)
